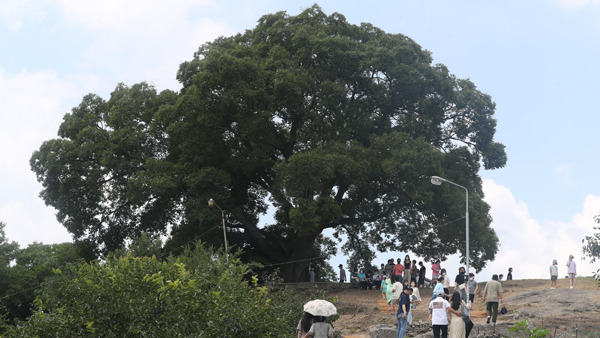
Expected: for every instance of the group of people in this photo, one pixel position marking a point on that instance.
(400, 284)
(571, 272)
(406, 271)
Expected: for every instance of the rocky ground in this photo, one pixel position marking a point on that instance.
(563, 312)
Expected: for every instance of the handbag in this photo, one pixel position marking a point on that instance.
(503, 311)
(465, 313)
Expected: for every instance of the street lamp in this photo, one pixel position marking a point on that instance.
(436, 180)
(212, 203)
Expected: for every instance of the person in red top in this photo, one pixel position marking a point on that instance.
(398, 271)
(435, 271)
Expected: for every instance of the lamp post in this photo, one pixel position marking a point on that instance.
(436, 180)
(212, 203)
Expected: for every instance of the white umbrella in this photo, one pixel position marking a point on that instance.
(320, 307)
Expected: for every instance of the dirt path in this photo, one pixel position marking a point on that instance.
(562, 310)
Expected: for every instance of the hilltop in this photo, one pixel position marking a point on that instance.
(561, 311)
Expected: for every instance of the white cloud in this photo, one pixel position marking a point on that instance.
(14, 12)
(526, 244)
(32, 105)
(529, 245)
(152, 36)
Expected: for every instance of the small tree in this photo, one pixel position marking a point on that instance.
(591, 247)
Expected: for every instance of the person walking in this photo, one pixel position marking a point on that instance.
(342, 274)
(553, 274)
(571, 270)
(457, 324)
(304, 324)
(439, 315)
(320, 329)
(472, 287)
(403, 312)
(492, 293)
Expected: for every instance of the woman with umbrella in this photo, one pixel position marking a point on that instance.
(320, 309)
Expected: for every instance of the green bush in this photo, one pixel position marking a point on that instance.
(196, 294)
(523, 329)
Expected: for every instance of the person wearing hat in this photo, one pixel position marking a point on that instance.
(571, 270)
(342, 274)
(439, 315)
(553, 274)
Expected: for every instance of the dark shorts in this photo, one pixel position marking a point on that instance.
(553, 277)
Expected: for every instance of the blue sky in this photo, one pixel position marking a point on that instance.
(537, 59)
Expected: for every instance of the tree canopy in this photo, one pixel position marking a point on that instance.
(334, 125)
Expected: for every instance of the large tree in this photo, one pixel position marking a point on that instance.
(337, 126)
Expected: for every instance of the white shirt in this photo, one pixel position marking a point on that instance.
(554, 270)
(397, 287)
(439, 314)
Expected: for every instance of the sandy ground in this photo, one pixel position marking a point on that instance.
(564, 312)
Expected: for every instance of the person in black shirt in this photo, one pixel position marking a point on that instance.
(422, 271)
(459, 283)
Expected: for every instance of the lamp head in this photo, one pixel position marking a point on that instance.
(436, 180)
(211, 203)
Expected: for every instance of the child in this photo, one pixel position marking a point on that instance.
(320, 329)
(553, 274)
(472, 288)
(445, 283)
(416, 296)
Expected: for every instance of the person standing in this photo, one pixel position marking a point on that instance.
(492, 293)
(403, 310)
(439, 315)
(311, 273)
(472, 287)
(422, 271)
(342, 274)
(414, 272)
(389, 267)
(397, 290)
(553, 274)
(509, 275)
(459, 283)
(398, 271)
(445, 282)
(571, 270)
(407, 273)
(435, 274)
(377, 278)
(367, 267)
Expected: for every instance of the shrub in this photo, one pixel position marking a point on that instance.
(197, 294)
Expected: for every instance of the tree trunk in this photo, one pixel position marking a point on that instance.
(295, 265)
